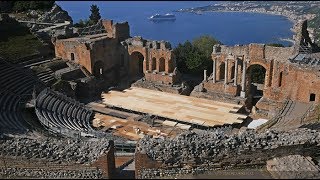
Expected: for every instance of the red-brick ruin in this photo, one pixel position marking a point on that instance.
(114, 54)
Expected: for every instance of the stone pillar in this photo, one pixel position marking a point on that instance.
(150, 65)
(243, 83)
(226, 72)
(204, 75)
(145, 66)
(235, 82)
(214, 71)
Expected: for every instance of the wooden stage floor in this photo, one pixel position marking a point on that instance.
(173, 106)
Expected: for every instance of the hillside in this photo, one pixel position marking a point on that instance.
(16, 41)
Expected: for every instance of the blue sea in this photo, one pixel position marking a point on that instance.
(230, 28)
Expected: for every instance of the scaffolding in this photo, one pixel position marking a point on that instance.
(91, 30)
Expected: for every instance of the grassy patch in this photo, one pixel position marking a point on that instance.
(16, 41)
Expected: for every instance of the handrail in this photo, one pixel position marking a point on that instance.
(307, 112)
(279, 115)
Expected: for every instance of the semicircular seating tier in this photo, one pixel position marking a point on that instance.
(59, 112)
(16, 88)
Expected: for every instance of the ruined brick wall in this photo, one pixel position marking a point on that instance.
(106, 51)
(282, 79)
(160, 78)
(158, 59)
(297, 84)
(80, 51)
(142, 162)
(108, 25)
(218, 87)
(121, 31)
(114, 52)
(106, 162)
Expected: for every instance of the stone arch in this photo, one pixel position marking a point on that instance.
(256, 81)
(136, 64)
(153, 63)
(162, 64)
(257, 63)
(98, 69)
(221, 70)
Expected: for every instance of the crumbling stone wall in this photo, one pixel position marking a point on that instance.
(196, 152)
(87, 155)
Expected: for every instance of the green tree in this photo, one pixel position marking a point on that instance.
(193, 58)
(205, 43)
(95, 14)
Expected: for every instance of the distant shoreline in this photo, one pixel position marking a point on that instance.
(295, 20)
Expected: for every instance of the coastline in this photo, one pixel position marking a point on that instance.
(294, 18)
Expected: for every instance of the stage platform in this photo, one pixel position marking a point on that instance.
(186, 109)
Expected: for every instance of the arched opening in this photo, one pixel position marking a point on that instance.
(232, 72)
(161, 65)
(312, 97)
(136, 65)
(221, 70)
(280, 79)
(98, 71)
(72, 56)
(154, 63)
(256, 80)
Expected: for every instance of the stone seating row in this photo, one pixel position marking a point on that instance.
(16, 79)
(59, 111)
(10, 115)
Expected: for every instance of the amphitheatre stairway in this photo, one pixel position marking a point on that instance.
(16, 88)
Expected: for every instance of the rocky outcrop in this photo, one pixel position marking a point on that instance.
(55, 15)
